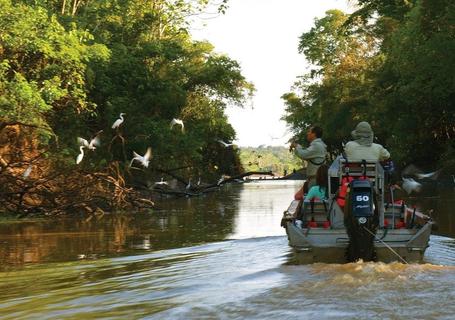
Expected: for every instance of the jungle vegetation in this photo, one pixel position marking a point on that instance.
(276, 159)
(68, 68)
(391, 63)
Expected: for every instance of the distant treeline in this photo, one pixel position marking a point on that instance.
(269, 158)
(391, 63)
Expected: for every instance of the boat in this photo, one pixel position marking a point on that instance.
(367, 227)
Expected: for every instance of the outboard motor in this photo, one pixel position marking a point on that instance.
(361, 221)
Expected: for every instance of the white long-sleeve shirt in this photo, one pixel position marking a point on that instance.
(314, 154)
(357, 152)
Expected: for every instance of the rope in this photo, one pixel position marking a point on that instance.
(390, 248)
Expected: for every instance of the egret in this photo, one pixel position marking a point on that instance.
(188, 186)
(94, 142)
(162, 182)
(198, 182)
(220, 181)
(410, 185)
(144, 160)
(225, 144)
(81, 155)
(179, 122)
(118, 122)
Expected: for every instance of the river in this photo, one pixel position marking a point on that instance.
(222, 256)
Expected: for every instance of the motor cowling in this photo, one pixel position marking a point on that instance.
(361, 220)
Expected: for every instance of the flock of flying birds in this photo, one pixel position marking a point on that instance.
(409, 184)
(143, 160)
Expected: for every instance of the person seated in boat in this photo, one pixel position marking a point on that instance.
(362, 147)
(315, 154)
(320, 190)
(317, 192)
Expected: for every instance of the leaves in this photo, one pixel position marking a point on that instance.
(73, 66)
(394, 70)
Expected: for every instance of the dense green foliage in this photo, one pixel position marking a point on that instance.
(73, 66)
(390, 63)
(276, 159)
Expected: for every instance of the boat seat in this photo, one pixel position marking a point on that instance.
(315, 209)
(357, 170)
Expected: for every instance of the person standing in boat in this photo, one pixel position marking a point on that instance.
(315, 155)
(362, 147)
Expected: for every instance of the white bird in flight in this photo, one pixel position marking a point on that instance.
(225, 144)
(118, 122)
(81, 155)
(144, 160)
(162, 182)
(179, 122)
(410, 185)
(95, 142)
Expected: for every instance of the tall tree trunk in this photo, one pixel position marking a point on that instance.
(63, 7)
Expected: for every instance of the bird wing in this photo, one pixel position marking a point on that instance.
(180, 122)
(137, 156)
(148, 154)
(410, 185)
(406, 186)
(411, 170)
(431, 175)
(173, 122)
(82, 142)
(95, 142)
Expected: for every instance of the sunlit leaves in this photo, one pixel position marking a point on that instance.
(393, 68)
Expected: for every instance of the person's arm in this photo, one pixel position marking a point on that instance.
(348, 149)
(307, 153)
(384, 154)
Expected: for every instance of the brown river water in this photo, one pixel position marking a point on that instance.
(222, 256)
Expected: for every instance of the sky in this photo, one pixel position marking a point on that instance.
(263, 36)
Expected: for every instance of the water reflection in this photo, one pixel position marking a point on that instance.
(232, 279)
(238, 211)
(115, 267)
(258, 214)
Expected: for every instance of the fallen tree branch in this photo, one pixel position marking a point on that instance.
(200, 190)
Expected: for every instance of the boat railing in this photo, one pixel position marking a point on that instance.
(341, 168)
(372, 170)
